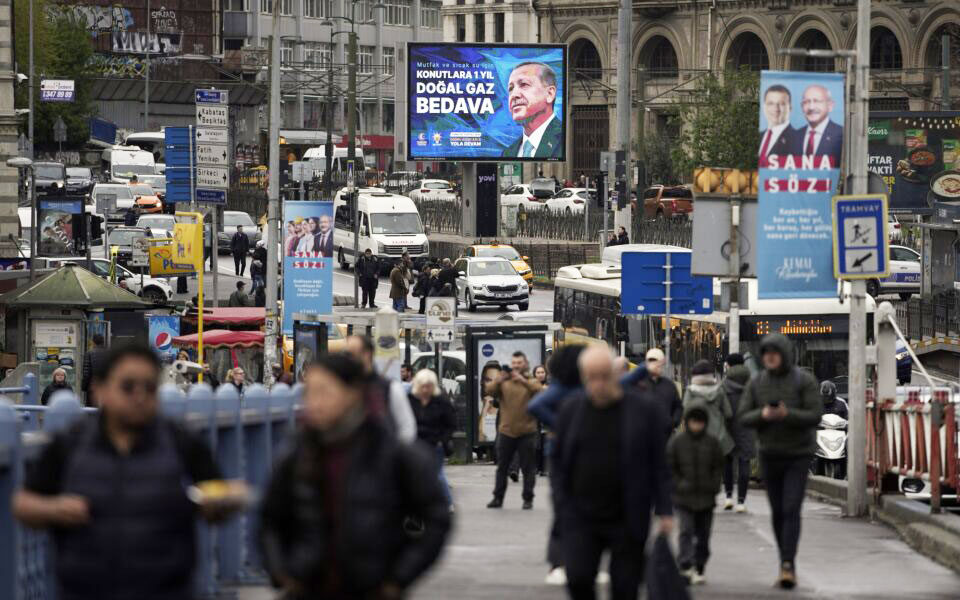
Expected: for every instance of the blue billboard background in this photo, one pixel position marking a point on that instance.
(794, 219)
(161, 331)
(307, 265)
(429, 133)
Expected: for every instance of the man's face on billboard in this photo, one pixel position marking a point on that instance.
(324, 223)
(529, 96)
(816, 104)
(776, 107)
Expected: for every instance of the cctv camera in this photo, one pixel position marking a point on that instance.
(21, 111)
(21, 78)
(185, 367)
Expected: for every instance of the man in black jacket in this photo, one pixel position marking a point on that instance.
(92, 363)
(663, 389)
(610, 473)
(448, 275)
(239, 246)
(369, 269)
(323, 538)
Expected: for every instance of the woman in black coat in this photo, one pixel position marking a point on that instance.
(421, 289)
(59, 383)
(435, 419)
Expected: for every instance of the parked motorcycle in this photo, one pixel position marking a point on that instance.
(830, 458)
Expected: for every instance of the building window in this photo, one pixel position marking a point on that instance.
(430, 14)
(365, 59)
(478, 1)
(318, 55)
(397, 12)
(884, 50)
(749, 52)
(499, 27)
(661, 58)
(388, 61)
(461, 28)
(814, 40)
(235, 5)
(461, 2)
(586, 60)
(317, 9)
(286, 7)
(286, 51)
(479, 28)
(387, 117)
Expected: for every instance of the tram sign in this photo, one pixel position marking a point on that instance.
(861, 246)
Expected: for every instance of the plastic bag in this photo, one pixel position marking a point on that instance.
(664, 581)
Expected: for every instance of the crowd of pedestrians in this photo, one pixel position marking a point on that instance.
(360, 507)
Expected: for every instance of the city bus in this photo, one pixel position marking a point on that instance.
(587, 305)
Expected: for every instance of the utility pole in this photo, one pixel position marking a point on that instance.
(624, 102)
(273, 200)
(328, 149)
(945, 77)
(146, 89)
(733, 326)
(351, 154)
(857, 444)
(30, 88)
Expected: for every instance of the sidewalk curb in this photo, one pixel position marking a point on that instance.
(936, 536)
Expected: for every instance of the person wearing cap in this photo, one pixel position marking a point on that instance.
(783, 404)
(831, 404)
(735, 379)
(662, 389)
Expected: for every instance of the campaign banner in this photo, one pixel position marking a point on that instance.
(486, 102)
(60, 221)
(801, 145)
(307, 259)
(162, 329)
(183, 256)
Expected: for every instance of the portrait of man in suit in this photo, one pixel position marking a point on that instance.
(323, 238)
(532, 89)
(779, 137)
(820, 136)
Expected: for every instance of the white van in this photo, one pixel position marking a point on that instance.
(317, 157)
(389, 226)
(152, 142)
(120, 163)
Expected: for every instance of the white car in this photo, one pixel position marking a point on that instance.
(522, 197)
(152, 289)
(454, 364)
(121, 194)
(904, 276)
(433, 189)
(490, 281)
(570, 200)
(893, 229)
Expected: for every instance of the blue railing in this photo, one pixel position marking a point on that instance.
(245, 438)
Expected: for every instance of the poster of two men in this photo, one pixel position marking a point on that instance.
(811, 130)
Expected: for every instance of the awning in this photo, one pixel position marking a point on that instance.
(371, 142)
(313, 137)
(237, 315)
(222, 338)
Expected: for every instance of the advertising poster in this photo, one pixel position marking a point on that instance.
(915, 152)
(58, 226)
(801, 145)
(161, 331)
(307, 259)
(181, 257)
(491, 354)
(487, 102)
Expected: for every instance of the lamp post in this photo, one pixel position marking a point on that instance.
(146, 89)
(21, 162)
(30, 105)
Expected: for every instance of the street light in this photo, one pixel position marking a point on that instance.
(22, 162)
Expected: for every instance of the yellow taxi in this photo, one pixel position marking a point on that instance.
(503, 251)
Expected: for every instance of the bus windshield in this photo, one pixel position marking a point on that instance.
(396, 223)
(127, 171)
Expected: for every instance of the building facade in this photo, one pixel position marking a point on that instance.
(9, 223)
(674, 43)
(314, 55)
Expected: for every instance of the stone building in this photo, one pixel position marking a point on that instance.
(9, 224)
(675, 42)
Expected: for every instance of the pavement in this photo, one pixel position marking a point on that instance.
(499, 554)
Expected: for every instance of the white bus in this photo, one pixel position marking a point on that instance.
(587, 305)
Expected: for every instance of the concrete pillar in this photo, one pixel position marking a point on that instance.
(8, 134)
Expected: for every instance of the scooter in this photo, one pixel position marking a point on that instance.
(830, 458)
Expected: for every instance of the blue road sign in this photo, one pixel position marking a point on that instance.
(644, 281)
(211, 97)
(860, 244)
(210, 196)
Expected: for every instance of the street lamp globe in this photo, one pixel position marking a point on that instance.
(19, 162)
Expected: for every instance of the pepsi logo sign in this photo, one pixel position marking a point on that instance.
(163, 340)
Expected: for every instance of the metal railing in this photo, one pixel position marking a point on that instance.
(936, 316)
(244, 437)
(441, 216)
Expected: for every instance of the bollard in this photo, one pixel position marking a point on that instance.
(173, 402)
(229, 431)
(201, 417)
(64, 411)
(282, 417)
(257, 460)
(9, 475)
(33, 395)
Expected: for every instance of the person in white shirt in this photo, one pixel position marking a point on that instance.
(532, 90)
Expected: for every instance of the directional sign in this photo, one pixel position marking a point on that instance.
(211, 196)
(441, 318)
(860, 244)
(212, 115)
(140, 251)
(214, 135)
(659, 283)
(212, 154)
(212, 96)
(215, 177)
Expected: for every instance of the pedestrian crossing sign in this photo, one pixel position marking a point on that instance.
(861, 248)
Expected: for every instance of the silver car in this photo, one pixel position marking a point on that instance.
(490, 281)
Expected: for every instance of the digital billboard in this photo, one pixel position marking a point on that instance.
(478, 102)
(307, 259)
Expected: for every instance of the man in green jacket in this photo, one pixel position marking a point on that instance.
(783, 404)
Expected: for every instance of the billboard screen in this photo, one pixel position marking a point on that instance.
(307, 259)
(908, 150)
(478, 102)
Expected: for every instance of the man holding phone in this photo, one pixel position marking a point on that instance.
(783, 404)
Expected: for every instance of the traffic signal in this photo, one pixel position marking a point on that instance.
(622, 193)
(96, 227)
(722, 181)
(601, 190)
